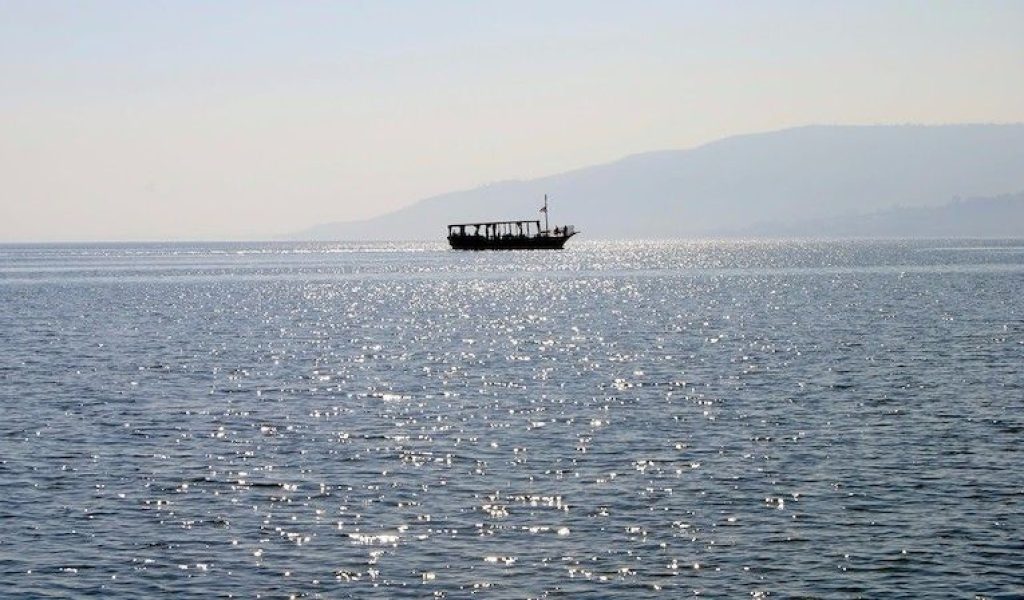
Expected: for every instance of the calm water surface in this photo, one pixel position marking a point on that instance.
(719, 419)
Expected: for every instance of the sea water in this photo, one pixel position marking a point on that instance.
(646, 419)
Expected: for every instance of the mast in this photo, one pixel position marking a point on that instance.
(545, 211)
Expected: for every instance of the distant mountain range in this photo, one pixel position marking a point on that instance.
(997, 217)
(818, 180)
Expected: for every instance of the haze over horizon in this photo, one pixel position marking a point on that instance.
(185, 120)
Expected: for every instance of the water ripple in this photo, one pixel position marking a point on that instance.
(808, 419)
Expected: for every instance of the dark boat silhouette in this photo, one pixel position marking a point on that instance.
(510, 235)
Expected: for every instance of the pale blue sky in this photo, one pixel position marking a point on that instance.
(183, 120)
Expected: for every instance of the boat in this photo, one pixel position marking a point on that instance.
(510, 235)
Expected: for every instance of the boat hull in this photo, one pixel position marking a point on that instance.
(479, 242)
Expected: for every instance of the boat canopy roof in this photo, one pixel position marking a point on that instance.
(488, 223)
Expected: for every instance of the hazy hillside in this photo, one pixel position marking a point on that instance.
(784, 177)
(998, 217)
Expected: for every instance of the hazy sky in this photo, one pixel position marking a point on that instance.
(174, 119)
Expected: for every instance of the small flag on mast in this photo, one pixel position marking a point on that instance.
(544, 208)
